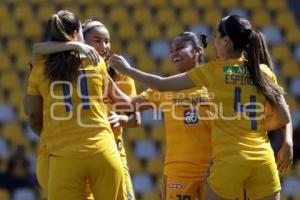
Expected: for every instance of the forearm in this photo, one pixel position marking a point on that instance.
(45, 48)
(287, 133)
(172, 83)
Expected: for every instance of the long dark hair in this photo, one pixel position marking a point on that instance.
(197, 41)
(62, 66)
(240, 31)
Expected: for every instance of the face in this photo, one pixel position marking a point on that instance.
(98, 37)
(183, 55)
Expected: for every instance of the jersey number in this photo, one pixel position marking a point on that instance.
(83, 90)
(238, 107)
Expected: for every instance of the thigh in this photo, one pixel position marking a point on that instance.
(106, 176)
(67, 179)
(226, 180)
(42, 169)
(176, 188)
(263, 182)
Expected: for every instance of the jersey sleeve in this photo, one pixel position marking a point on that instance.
(33, 80)
(202, 75)
(126, 84)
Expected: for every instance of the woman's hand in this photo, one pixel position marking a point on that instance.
(119, 64)
(116, 120)
(89, 51)
(284, 158)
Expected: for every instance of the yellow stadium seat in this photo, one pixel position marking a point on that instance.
(228, 4)
(23, 61)
(180, 4)
(212, 17)
(168, 67)
(110, 2)
(62, 1)
(285, 19)
(17, 47)
(157, 3)
(151, 196)
(74, 8)
(33, 30)
(23, 12)
(189, 16)
(10, 80)
(166, 16)
(142, 15)
(292, 102)
(38, 1)
(260, 18)
(119, 15)
(281, 52)
(136, 47)
(5, 64)
(158, 133)
(94, 11)
(207, 4)
(147, 64)
(173, 30)
(9, 29)
(116, 47)
(290, 68)
(297, 197)
(134, 134)
(12, 131)
(151, 31)
(292, 35)
(276, 5)
(4, 194)
(154, 166)
(252, 4)
(4, 13)
(45, 11)
(127, 31)
(133, 3)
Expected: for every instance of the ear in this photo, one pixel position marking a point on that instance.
(227, 41)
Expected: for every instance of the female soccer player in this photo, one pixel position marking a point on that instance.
(65, 101)
(241, 86)
(97, 36)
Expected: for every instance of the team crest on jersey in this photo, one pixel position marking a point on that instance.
(175, 186)
(191, 117)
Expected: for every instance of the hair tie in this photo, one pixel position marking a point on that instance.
(90, 25)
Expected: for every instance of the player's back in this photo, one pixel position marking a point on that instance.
(237, 130)
(74, 115)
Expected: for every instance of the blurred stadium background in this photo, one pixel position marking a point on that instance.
(140, 30)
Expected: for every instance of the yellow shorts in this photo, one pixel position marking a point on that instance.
(67, 177)
(176, 188)
(226, 180)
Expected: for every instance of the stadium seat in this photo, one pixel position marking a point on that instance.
(133, 3)
(209, 52)
(145, 149)
(23, 12)
(252, 4)
(206, 4)
(4, 194)
(200, 29)
(159, 49)
(260, 18)
(17, 47)
(180, 4)
(294, 86)
(167, 67)
(276, 5)
(147, 64)
(136, 47)
(290, 69)
(292, 102)
(212, 17)
(134, 164)
(281, 52)
(155, 166)
(33, 30)
(189, 16)
(157, 3)
(45, 11)
(166, 16)
(143, 183)
(273, 35)
(134, 134)
(4, 13)
(142, 15)
(94, 11)
(127, 31)
(292, 34)
(12, 131)
(238, 11)
(9, 29)
(5, 62)
(297, 52)
(228, 4)
(151, 31)
(119, 15)
(7, 113)
(285, 19)
(10, 80)
(110, 2)
(173, 30)
(24, 194)
(158, 133)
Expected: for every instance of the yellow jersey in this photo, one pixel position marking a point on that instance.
(238, 134)
(75, 120)
(188, 137)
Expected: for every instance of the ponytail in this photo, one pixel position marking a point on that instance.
(255, 54)
(62, 66)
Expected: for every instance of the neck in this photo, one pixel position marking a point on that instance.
(233, 54)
